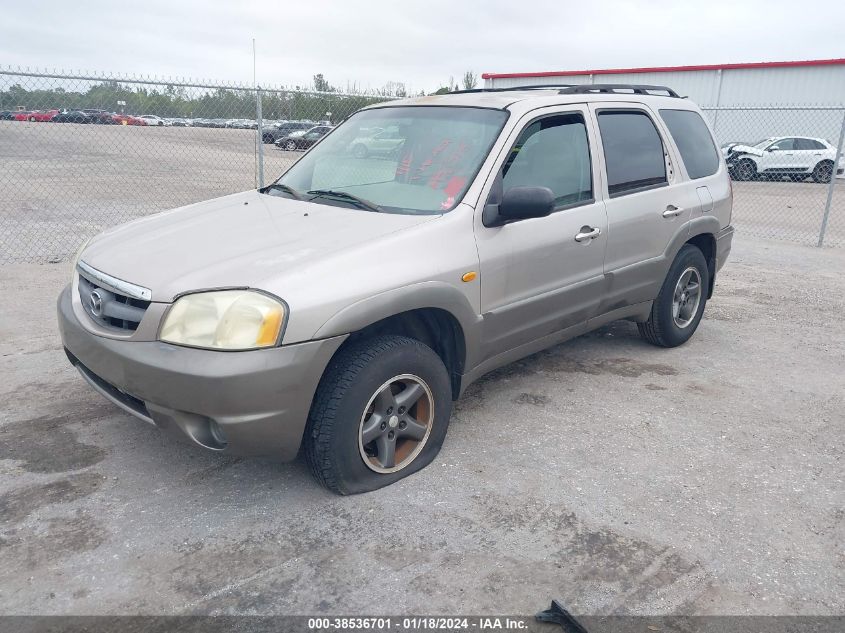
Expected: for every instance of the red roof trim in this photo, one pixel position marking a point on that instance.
(666, 69)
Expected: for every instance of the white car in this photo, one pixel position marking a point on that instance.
(385, 142)
(152, 119)
(778, 157)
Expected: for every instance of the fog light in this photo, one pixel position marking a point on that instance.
(217, 434)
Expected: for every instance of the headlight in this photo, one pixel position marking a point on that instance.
(224, 319)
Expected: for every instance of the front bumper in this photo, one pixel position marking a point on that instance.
(260, 399)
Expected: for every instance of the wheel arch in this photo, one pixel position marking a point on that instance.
(433, 313)
(706, 243)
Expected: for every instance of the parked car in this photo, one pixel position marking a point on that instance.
(21, 115)
(303, 139)
(100, 117)
(351, 303)
(380, 143)
(127, 119)
(177, 122)
(152, 119)
(72, 116)
(41, 116)
(273, 133)
(778, 157)
(7, 115)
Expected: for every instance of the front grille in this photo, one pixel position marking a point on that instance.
(111, 309)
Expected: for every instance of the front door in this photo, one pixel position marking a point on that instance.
(543, 275)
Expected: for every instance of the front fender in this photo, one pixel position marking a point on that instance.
(428, 294)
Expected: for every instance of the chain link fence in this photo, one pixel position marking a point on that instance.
(784, 162)
(81, 153)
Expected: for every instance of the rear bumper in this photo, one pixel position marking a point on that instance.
(260, 399)
(724, 241)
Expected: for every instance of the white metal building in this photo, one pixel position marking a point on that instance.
(744, 101)
(815, 82)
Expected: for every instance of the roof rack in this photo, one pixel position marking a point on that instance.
(617, 89)
(511, 88)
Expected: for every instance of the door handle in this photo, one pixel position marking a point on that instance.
(672, 211)
(587, 233)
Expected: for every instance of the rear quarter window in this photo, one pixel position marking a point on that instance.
(693, 139)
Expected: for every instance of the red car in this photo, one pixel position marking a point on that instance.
(37, 115)
(127, 119)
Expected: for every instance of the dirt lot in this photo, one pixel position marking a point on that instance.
(62, 183)
(615, 476)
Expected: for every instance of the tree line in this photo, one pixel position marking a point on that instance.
(324, 101)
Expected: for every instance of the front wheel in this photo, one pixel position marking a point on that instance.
(677, 311)
(380, 413)
(290, 146)
(746, 169)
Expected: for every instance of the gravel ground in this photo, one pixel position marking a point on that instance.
(62, 183)
(614, 476)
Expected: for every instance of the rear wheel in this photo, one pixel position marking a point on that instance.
(380, 413)
(290, 146)
(677, 311)
(823, 171)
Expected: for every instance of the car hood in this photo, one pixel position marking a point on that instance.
(241, 240)
(744, 149)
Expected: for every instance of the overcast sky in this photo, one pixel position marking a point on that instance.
(419, 42)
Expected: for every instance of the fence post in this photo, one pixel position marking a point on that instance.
(826, 215)
(260, 137)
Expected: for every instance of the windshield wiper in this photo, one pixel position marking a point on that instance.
(280, 187)
(360, 202)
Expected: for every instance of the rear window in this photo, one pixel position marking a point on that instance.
(693, 139)
(633, 151)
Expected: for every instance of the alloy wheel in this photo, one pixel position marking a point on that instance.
(396, 423)
(686, 298)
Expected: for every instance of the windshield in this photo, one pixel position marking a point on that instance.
(411, 159)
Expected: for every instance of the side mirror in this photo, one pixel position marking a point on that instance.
(522, 203)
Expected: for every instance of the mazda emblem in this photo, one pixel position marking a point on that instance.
(95, 303)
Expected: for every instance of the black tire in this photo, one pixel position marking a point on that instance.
(662, 328)
(290, 146)
(746, 169)
(823, 172)
(331, 443)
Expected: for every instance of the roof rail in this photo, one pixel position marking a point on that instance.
(511, 88)
(617, 89)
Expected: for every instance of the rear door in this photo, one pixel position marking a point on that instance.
(648, 203)
(808, 152)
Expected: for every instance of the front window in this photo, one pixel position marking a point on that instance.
(407, 159)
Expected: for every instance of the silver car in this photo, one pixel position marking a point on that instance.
(342, 309)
